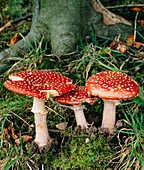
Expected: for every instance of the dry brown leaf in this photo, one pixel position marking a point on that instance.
(122, 48)
(130, 40)
(14, 39)
(109, 18)
(5, 26)
(138, 9)
(9, 132)
(113, 44)
(25, 139)
(14, 136)
(62, 126)
(6, 133)
(141, 22)
(138, 45)
(121, 45)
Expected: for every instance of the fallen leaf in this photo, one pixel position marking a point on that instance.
(119, 44)
(122, 48)
(138, 9)
(62, 126)
(130, 40)
(14, 39)
(5, 26)
(113, 44)
(141, 22)
(14, 136)
(138, 44)
(6, 133)
(25, 139)
(9, 132)
(40, 60)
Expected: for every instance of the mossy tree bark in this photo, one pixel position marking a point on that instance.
(63, 23)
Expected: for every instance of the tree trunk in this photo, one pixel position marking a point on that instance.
(63, 24)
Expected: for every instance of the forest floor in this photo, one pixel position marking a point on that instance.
(71, 148)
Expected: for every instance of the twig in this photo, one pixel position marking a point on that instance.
(31, 126)
(54, 111)
(29, 166)
(135, 25)
(123, 6)
(15, 21)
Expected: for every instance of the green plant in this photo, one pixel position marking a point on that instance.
(96, 58)
(31, 60)
(131, 153)
(11, 160)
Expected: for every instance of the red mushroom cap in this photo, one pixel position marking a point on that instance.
(39, 83)
(75, 97)
(40, 76)
(111, 85)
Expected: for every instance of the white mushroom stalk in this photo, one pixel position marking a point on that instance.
(79, 116)
(109, 114)
(42, 137)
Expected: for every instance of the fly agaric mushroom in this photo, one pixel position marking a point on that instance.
(76, 98)
(112, 87)
(40, 84)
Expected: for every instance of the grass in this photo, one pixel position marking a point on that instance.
(131, 153)
(71, 149)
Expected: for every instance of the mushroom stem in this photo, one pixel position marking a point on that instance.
(39, 106)
(42, 136)
(40, 113)
(79, 116)
(109, 114)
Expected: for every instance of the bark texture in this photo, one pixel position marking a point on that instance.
(63, 23)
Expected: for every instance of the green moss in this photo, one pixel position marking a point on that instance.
(79, 154)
